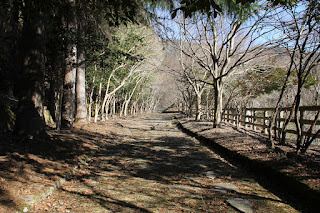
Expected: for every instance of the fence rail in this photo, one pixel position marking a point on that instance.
(259, 119)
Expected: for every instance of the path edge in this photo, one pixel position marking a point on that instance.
(29, 205)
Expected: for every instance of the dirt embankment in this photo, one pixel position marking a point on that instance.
(296, 174)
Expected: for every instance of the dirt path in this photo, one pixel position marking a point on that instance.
(148, 165)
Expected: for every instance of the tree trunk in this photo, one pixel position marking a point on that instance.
(141, 108)
(58, 114)
(133, 108)
(107, 95)
(91, 101)
(81, 115)
(297, 116)
(98, 102)
(126, 107)
(122, 108)
(30, 120)
(217, 104)
(68, 99)
(114, 107)
(107, 108)
(103, 106)
(90, 109)
(198, 107)
(52, 96)
(58, 97)
(207, 105)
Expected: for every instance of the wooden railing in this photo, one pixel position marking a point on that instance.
(259, 118)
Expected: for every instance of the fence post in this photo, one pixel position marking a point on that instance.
(238, 119)
(260, 117)
(275, 126)
(301, 121)
(265, 121)
(281, 116)
(246, 119)
(253, 119)
(243, 118)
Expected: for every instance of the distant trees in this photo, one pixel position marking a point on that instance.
(187, 74)
(122, 65)
(245, 88)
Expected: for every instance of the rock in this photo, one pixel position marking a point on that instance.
(241, 204)
(27, 198)
(211, 175)
(225, 187)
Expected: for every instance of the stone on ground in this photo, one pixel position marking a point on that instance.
(241, 204)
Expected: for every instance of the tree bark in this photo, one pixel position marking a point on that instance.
(30, 119)
(58, 114)
(217, 104)
(98, 102)
(91, 101)
(114, 107)
(52, 97)
(107, 107)
(81, 114)
(198, 107)
(68, 99)
(297, 116)
(122, 108)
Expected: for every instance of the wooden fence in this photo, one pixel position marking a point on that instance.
(259, 118)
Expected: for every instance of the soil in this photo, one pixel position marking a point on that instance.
(136, 164)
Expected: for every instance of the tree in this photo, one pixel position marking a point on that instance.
(255, 82)
(81, 102)
(221, 43)
(190, 7)
(30, 29)
(29, 87)
(69, 85)
(192, 72)
(299, 26)
(69, 89)
(134, 52)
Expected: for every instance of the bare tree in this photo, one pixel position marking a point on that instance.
(299, 28)
(191, 72)
(221, 46)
